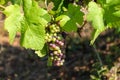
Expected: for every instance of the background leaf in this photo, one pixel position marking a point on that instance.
(16, 1)
(75, 17)
(2, 2)
(111, 2)
(102, 2)
(57, 5)
(112, 17)
(12, 22)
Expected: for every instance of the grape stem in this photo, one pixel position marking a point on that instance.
(46, 3)
(79, 29)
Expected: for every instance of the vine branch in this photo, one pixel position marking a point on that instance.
(98, 56)
(79, 29)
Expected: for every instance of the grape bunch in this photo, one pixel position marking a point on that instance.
(55, 43)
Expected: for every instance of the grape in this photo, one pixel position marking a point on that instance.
(53, 39)
(59, 51)
(55, 52)
(103, 77)
(59, 42)
(55, 44)
(55, 35)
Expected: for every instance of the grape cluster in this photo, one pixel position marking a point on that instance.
(56, 44)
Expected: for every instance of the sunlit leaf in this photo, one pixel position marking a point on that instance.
(95, 15)
(12, 22)
(42, 53)
(33, 26)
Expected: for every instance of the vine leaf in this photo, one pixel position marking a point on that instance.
(111, 2)
(16, 1)
(63, 19)
(73, 17)
(2, 2)
(33, 26)
(57, 5)
(111, 13)
(102, 2)
(112, 16)
(117, 13)
(12, 22)
(32, 35)
(95, 15)
(42, 53)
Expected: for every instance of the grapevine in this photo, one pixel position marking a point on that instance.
(55, 43)
(41, 25)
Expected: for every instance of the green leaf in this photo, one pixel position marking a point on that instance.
(12, 22)
(16, 1)
(63, 19)
(2, 2)
(96, 33)
(42, 53)
(111, 2)
(46, 17)
(95, 15)
(27, 4)
(33, 26)
(101, 1)
(32, 35)
(57, 5)
(112, 17)
(75, 17)
(34, 13)
(117, 13)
